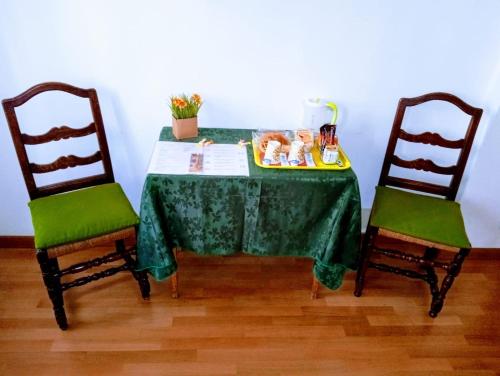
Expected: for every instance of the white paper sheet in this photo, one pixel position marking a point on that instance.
(174, 158)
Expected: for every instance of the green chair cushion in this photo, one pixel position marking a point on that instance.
(424, 217)
(79, 215)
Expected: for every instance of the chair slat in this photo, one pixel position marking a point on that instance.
(439, 96)
(417, 185)
(58, 133)
(431, 138)
(43, 87)
(70, 185)
(65, 162)
(423, 164)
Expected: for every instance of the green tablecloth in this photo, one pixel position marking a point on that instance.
(270, 213)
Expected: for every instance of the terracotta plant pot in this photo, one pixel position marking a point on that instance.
(185, 128)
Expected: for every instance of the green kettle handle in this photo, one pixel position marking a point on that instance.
(335, 110)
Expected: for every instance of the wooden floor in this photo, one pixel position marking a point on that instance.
(244, 315)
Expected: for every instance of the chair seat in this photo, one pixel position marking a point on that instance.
(79, 215)
(429, 218)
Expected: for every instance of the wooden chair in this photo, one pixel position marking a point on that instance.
(75, 214)
(433, 222)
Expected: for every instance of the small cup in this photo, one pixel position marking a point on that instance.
(272, 154)
(307, 137)
(330, 154)
(296, 155)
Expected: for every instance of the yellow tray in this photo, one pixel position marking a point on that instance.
(346, 163)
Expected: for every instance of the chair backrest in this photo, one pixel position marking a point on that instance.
(56, 134)
(464, 144)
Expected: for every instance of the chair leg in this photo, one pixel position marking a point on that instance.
(430, 255)
(52, 280)
(453, 271)
(144, 284)
(141, 277)
(366, 250)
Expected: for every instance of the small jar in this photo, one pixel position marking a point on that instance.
(330, 154)
(327, 135)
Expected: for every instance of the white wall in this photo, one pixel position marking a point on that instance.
(481, 199)
(253, 62)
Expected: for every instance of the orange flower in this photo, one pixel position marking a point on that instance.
(196, 99)
(181, 103)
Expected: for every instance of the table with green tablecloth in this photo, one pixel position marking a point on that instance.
(271, 212)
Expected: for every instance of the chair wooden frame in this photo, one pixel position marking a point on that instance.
(47, 257)
(428, 261)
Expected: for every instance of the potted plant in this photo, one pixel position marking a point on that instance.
(185, 115)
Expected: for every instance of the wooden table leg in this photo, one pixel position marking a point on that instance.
(175, 286)
(174, 278)
(314, 288)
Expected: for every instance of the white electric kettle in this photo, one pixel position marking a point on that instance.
(317, 112)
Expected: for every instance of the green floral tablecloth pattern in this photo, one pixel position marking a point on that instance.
(270, 213)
